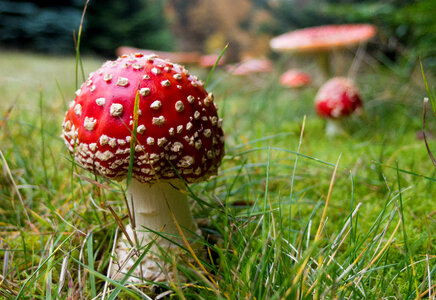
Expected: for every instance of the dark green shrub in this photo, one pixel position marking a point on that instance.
(137, 23)
(26, 25)
(48, 26)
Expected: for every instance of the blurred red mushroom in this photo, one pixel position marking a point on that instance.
(336, 99)
(251, 66)
(295, 78)
(209, 60)
(323, 39)
(176, 57)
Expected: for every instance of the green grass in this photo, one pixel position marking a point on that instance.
(293, 214)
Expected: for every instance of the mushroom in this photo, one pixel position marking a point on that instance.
(209, 60)
(179, 140)
(321, 40)
(250, 66)
(295, 78)
(336, 99)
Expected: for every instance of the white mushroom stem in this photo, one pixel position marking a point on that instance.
(333, 127)
(155, 206)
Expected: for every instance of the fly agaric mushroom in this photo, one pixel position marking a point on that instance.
(251, 66)
(321, 40)
(337, 98)
(295, 78)
(209, 60)
(178, 134)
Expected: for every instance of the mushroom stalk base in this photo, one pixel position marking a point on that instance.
(333, 127)
(154, 208)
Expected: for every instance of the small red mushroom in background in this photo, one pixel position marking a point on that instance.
(209, 60)
(337, 98)
(179, 140)
(295, 78)
(251, 66)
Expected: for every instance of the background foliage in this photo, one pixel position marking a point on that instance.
(47, 26)
(137, 23)
(406, 27)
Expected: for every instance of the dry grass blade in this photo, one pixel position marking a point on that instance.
(69, 224)
(63, 273)
(70, 286)
(121, 266)
(130, 215)
(429, 278)
(81, 280)
(5, 263)
(428, 292)
(6, 167)
(94, 182)
(324, 213)
(111, 261)
(163, 295)
(121, 225)
(346, 225)
(309, 226)
(430, 154)
(133, 225)
(6, 116)
(427, 259)
(332, 256)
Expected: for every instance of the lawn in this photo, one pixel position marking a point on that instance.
(292, 213)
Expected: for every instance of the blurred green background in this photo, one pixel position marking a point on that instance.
(406, 28)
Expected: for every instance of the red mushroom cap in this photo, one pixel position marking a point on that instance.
(177, 125)
(323, 38)
(208, 61)
(337, 98)
(251, 66)
(295, 78)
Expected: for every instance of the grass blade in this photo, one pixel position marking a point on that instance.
(430, 154)
(91, 265)
(133, 139)
(215, 64)
(79, 37)
(431, 94)
(324, 213)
